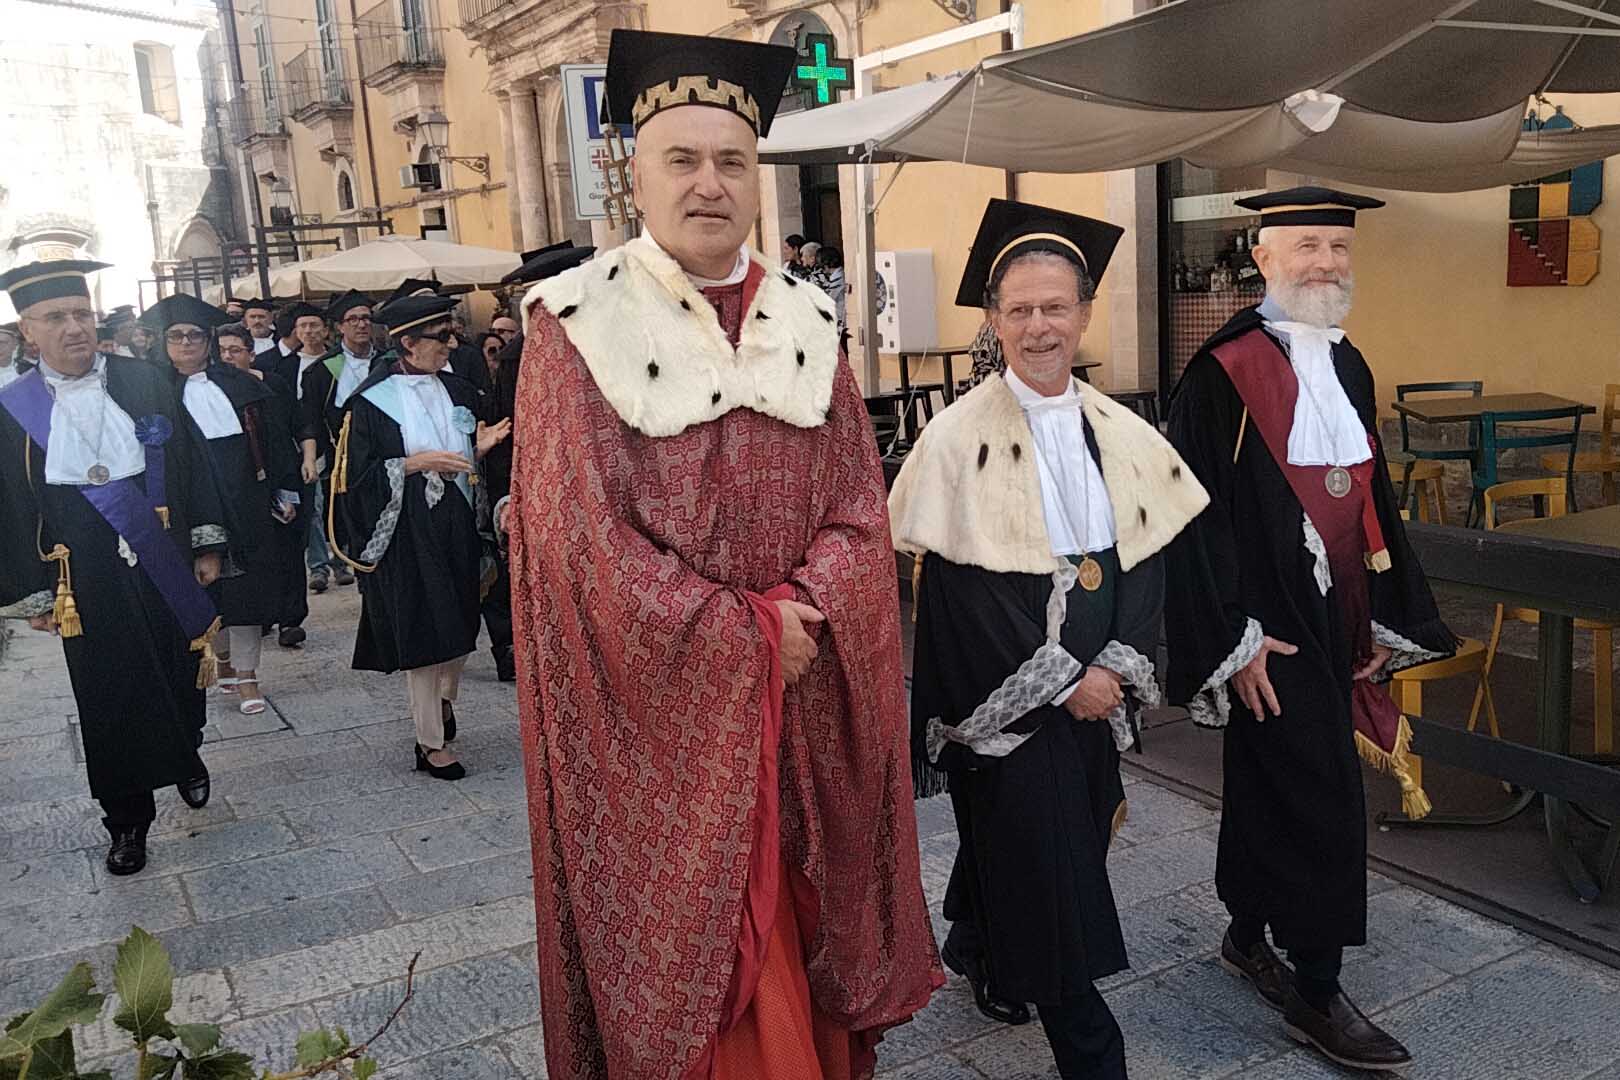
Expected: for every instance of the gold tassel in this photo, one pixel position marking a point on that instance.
(340, 464)
(1414, 803)
(163, 514)
(208, 666)
(66, 609)
(1121, 812)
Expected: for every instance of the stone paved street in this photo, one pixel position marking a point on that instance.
(323, 863)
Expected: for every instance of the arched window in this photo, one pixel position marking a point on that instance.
(345, 191)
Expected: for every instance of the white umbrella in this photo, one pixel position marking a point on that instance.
(285, 281)
(382, 264)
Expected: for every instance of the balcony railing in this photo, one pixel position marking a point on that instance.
(474, 10)
(308, 86)
(255, 117)
(385, 46)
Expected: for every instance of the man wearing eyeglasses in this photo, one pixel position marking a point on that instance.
(110, 530)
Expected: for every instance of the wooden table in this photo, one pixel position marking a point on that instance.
(1458, 410)
(1564, 567)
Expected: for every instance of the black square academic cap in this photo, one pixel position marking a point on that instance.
(1308, 206)
(412, 287)
(253, 304)
(410, 312)
(548, 261)
(33, 282)
(346, 303)
(182, 308)
(649, 72)
(1010, 228)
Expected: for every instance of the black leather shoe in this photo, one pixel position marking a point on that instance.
(1262, 967)
(1343, 1035)
(506, 665)
(452, 771)
(449, 713)
(343, 576)
(195, 791)
(291, 637)
(1012, 1013)
(127, 855)
(320, 582)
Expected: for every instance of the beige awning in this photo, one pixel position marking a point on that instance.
(381, 264)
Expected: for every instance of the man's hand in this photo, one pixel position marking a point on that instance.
(206, 568)
(798, 650)
(439, 461)
(1380, 657)
(1097, 695)
(1254, 685)
(492, 435)
(308, 469)
(45, 624)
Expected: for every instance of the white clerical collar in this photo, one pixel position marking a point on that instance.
(90, 432)
(351, 358)
(1326, 429)
(209, 407)
(98, 367)
(1029, 397)
(739, 269)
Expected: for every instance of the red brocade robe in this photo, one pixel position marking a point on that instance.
(675, 786)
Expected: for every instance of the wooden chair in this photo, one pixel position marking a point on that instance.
(1604, 463)
(1414, 467)
(1553, 495)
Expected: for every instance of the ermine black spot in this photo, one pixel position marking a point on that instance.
(715, 400)
(1018, 452)
(801, 357)
(685, 305)
(1141, 513)
(791, 280)
(825, 314)
(652, 368)
(984, 454)
(762, 317)
(612, 272)
(692, 96)
(567, 311)
(1175, 472)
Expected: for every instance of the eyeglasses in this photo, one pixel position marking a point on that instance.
(356, 320)
(186, 337)
(1020, 314)
(441, 336)
(232, 349)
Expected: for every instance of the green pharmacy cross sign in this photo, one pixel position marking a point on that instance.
(823, 74)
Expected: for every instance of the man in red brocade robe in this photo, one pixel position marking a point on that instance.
(708, 643)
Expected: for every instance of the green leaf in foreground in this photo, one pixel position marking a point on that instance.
(144, 979)
(315, 1047)
(220, 1065)
(53, 1059)
(158, 1067)
(198, 1039)
(72, 1002)
(365, 1069)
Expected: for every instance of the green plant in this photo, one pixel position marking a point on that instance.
(38, 1045)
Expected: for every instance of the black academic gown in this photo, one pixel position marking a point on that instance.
(1029, 893)
(250, 592)
(420, 599)
(1293, 842)
(134, 675)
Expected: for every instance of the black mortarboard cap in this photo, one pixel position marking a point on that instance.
(409, 312)
(1308, 206)
(649, 72)
(253, 304)
(37, 281)
(346, 303)
(293, 312)
(182, 308)
(548, 261)
(1014, 228)
(412, 287)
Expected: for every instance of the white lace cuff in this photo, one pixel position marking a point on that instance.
(208, 536)
(39, 603)
(388, 520)
(499, 512)
(1212, 705)
(1405, 652)
(1136, 674)
(1314, 545)
(1026, 689)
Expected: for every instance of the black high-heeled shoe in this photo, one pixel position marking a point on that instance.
(448, 711)
(1011, 1013)
(452, 771)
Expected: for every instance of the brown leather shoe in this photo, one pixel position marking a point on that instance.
(1263, 968)
(1344, 1035)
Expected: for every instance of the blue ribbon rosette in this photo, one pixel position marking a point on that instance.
(153, 433)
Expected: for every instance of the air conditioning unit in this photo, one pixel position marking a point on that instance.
(904, 298)
(423, 175)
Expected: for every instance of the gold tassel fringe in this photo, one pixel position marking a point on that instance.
(163, 514)
(66, 609)
(1414, 803)
(208, 666)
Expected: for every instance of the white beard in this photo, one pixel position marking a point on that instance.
(1316, 305)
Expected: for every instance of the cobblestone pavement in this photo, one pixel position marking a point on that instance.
(323, 863)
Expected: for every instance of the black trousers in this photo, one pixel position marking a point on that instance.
(1086, 1041)
(127, 810)
(1322, 965)
(497, 610)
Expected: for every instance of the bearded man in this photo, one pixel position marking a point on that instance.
(708, 636)
(1296, 588)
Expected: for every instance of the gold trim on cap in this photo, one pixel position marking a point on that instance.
(441, 316)
(37, 278)
(1054, 237)
(695, 90)
(1296, 207)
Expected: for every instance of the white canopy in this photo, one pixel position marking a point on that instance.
(381, 264)
(1418, 95)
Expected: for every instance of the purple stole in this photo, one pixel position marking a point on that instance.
(131, 512)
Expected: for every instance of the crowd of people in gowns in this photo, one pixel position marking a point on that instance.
(656, 484)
